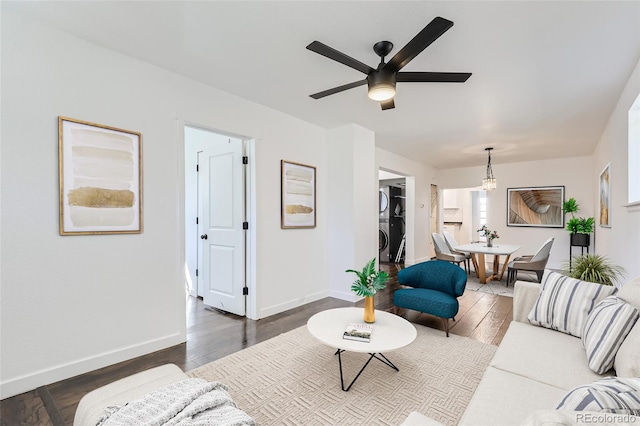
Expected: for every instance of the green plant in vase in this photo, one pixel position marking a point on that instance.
(488, 234)
(579, 227)
(369, 282)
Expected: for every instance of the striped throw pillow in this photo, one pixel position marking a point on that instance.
(609, 395)
(564, 303)
(606, 328)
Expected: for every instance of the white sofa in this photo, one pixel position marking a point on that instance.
(533, 368)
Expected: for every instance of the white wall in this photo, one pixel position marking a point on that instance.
(353, 205)
(76, 303)
(419, 178)
(621, 242)
(576, 174)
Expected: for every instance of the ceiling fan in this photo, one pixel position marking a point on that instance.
(382, 80)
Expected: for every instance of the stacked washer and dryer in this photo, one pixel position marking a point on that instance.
(383, 235)
(392, 226)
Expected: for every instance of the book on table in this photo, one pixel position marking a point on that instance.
(358, 331)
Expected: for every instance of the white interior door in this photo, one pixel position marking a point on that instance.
(221, 179)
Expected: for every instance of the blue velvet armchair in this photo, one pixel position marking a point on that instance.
(436, 285)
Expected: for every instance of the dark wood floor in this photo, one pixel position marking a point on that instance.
(212, 335)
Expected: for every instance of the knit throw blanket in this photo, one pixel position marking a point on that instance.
(187, 402)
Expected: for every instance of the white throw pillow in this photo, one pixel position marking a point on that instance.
(564, 303)
(609, 395)
(630, 292)
(608, 324)
(627, 362)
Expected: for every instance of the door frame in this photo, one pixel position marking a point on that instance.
(250, 211)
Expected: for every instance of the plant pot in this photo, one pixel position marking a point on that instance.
(369, 310)
(582, 240)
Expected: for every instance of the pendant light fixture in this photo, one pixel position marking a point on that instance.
(489, 182)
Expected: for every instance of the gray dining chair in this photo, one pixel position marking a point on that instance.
(533, 263)
(452, 244)
(443, 252)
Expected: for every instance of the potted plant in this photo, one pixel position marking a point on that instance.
(579, 227)
(369, 282)
(489, 235)
(594, 268)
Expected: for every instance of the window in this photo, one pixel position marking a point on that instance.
(634, 152)
(479, 214)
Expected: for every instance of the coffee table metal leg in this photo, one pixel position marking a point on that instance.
(385, 361)
(373, 355)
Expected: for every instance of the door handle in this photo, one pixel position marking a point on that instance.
(203, 237)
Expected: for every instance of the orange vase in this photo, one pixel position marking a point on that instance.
(369, 310)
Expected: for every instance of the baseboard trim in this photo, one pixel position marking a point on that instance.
(344, 295)
(290, 304)
(47, 376)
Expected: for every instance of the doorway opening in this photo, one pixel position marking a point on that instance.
(216, 211)
(464, 211)
(392, 230)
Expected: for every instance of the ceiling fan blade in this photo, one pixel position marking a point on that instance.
(433, 77)
(388, 104)
(338, 89)
(424, 38)
(337, 56)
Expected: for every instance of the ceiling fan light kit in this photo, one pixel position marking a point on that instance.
(382, 86)
(381, 81)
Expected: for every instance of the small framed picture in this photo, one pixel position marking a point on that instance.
(100, 174)
(298, 195)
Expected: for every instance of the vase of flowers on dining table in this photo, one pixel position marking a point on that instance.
(488, 234)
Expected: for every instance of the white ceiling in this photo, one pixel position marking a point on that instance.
(546, 75)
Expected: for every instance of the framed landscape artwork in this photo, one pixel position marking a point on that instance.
(298, 196)
(535, 206)
(605, 197)
(100, 177)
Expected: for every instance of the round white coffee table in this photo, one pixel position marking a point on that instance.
(390, 332)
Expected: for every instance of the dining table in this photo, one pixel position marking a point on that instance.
(478, 251)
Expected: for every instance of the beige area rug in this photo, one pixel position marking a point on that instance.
(498, 287)
(293, 379)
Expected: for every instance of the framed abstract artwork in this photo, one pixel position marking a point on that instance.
(605, 197)
(298, 195)
(539, 206)
(100, 175)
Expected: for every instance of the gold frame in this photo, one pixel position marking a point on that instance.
(286, 218)
(604, 195)
(99, 202)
